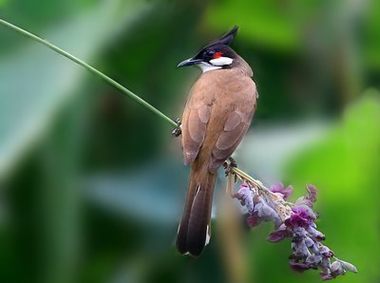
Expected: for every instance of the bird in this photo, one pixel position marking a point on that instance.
(217, 115)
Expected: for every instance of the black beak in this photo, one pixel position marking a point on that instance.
(189, 62)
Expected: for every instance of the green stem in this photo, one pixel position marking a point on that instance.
(90, 69)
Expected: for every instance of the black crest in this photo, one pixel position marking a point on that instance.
(227, 38)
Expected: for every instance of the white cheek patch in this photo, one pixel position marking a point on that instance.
(221, 61)
(208, 67)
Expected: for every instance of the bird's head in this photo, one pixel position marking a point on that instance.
(216, 55)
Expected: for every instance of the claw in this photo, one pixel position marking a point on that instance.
(233, 162)
(177, 131)
(228, 165)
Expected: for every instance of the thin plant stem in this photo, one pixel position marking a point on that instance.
(89, 68)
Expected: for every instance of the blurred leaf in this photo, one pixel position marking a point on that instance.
(345, 168)
(267, 148)
(372, 46)
(35, 83)
(274, 24)
(153, 200)
(3, 2)
(349, 151)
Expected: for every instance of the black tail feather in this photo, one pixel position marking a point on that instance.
(194, 229)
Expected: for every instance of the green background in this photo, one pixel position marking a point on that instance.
(92, 184)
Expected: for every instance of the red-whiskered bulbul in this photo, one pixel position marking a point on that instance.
(217, 115)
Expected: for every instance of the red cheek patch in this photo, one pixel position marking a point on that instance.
(217, 55)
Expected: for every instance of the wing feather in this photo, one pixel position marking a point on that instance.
(195, 122)
(234, 130)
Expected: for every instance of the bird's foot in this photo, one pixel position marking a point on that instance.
(228, 165)
(177, 131)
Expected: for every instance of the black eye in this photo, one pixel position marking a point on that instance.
(209, 52)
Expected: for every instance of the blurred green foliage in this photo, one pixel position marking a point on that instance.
(91, 184)
(345, 167)
(262, 22)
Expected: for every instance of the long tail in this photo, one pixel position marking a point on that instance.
(194, 229)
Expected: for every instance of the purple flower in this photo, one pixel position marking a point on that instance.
(310, 198)
(348, 266)
(314, 260)
(312, 193)
(302, 216)
(326, 276)
(298, 266)
(338, 267)
(314, 233)
(281, 189)
(264, 211)
(308, 252)
(300, 250)
(245, 196)
(258, 208)
(279, 234)
(326, 252)
(253, 220)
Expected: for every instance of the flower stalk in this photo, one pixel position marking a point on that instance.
(295, 221)
(283, 210)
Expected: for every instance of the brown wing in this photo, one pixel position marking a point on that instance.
(236, 124)
(194, 122)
